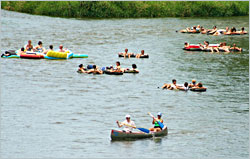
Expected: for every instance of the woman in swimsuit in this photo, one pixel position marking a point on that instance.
(29, 46)
(40, 47)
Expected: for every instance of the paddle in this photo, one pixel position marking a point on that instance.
(141, 129)
(160, 123)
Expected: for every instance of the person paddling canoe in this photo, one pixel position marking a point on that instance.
(156, 124)
(127, 122)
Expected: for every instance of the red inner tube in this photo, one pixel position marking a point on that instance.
(31, 56)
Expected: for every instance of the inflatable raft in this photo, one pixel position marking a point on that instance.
(79, 56)
(32, 55)
(55, 55)
(133, 55)
(120, 135)
(11, 56)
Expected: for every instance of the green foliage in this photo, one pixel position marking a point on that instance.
(130, 9)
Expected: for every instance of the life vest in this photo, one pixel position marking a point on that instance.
(156, 123)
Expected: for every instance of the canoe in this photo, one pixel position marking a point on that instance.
(80, 56)
(120, 135)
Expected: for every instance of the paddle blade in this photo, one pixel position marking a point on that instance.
(144, 130)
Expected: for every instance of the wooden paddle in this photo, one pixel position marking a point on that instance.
(141, 129)
(160, 123)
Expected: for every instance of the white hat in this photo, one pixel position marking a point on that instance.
(159, 113)
(127, 116)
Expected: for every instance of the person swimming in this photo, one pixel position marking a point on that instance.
(141, 54)
(81, 69)
(95, 70)
(134, 68)
(235, 48)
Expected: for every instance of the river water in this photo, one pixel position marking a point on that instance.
(49, 110)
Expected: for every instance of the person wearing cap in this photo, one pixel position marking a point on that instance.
(156, 124)
(40, 47)
(128, 121)
(193, 84)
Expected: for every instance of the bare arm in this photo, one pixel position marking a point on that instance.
(118, 123)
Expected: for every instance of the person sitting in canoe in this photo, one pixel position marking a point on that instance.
(141, 54)
(235, 48)
(156, 124)
(95, 70)
(29, 46)
(134, 69)
(39, 47)
(126, 122)
(183, 88)
(81, 69)
(193, 84)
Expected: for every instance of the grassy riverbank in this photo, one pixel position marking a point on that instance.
(123, 9)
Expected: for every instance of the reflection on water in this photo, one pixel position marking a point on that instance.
(47, 109)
